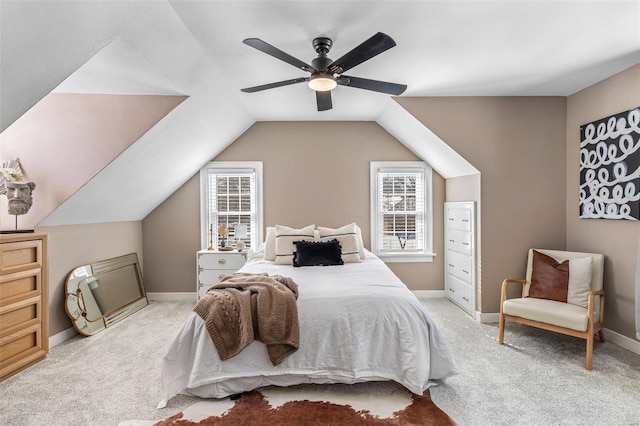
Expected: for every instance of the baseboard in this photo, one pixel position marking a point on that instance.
(61, 337)
(487, 318)
(620, 340)
(429, 294)
(172, 297)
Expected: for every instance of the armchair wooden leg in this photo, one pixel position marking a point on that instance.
(501, 329)
(589, 351)
(601, 335)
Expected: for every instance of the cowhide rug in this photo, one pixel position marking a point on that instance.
(295, 406)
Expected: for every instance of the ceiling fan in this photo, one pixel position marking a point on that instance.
(326, 74)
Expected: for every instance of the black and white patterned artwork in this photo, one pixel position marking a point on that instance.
(610, 167)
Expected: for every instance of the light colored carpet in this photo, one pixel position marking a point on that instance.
(537, 378)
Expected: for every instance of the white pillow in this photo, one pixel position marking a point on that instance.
(579, 281)
(347, 237)
(270, 244)
(361, 251)
(285, 237)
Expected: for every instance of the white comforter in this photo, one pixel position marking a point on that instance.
(358, 322)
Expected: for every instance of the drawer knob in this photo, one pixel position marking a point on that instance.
(466, 244)
(221, 276)
(465, 298)
(452, 241)
(450, 265)
(466, 272)
(452, 290)
(222, 261)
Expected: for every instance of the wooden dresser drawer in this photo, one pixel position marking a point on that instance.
(20, 256)
(20, 285)
(17, 316)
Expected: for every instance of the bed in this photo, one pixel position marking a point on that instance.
(358, 322)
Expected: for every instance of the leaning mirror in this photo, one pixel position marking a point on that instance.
(102, 293)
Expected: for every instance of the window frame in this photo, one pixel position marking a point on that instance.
(426, 255)
(227, 167)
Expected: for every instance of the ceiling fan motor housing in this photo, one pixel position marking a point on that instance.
(322, 45)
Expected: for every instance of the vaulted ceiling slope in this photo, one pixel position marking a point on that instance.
(194, 48)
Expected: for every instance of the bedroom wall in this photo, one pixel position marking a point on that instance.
(66, 139)
(314, 172)
(75, 245)
(518, 144)
(616, 239)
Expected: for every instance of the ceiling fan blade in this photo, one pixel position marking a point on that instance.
(363, 52)
(374, 85)
(274, 85)
(323, 98)
(265, 47)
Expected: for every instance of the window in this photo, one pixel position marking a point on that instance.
(231, 194)
(401, 211)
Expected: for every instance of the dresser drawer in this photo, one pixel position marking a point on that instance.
(460, 292)
(20, 285)
(20, 315)
(221, 261)
(459, 241)
(20, 256)
(458, 218)
(459, 265)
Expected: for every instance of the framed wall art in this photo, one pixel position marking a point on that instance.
(610, 167)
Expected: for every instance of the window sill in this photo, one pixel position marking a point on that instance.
(406, 258)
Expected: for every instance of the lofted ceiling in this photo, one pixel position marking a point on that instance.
(194, 48)
(444, 48)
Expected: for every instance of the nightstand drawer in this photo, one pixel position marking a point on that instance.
(213, 276)
(214, 260)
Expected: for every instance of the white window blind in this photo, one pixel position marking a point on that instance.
(401, 210)
(231, 197)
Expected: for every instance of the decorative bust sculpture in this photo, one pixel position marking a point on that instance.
(19, 196)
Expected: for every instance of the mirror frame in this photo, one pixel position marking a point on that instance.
(78, 305)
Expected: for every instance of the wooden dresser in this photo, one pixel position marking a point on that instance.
(24, 301)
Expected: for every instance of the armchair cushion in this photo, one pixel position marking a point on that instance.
(549, 311)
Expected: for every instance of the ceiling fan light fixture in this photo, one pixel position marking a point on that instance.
(322, 82)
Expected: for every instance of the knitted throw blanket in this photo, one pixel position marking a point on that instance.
(246, 307)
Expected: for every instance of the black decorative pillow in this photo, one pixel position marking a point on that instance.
(317, 253)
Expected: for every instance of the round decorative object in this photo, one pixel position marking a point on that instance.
(225, 248)
(240, 245)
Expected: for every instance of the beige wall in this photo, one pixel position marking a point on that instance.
(518, 145)
(66, 139)
(72, 246)
(616, 239)
(314, 172)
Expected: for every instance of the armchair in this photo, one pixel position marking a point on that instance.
(579, 320)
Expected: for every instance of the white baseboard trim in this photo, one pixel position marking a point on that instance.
(173, 297)
(429, 294)
(61, 337)
(620, 340)
(487, 318)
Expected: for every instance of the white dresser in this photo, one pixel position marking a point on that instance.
(215, 265)
(460, 254)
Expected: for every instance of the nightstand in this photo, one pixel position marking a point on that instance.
(213, 266)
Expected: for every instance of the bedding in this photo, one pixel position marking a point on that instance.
(358, 322)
